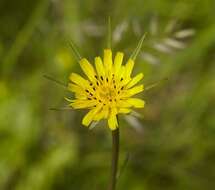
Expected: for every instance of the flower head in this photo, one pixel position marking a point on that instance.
(108, 89)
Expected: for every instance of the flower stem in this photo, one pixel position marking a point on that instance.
(115, 158)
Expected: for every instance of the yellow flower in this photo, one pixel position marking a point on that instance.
(108, 90)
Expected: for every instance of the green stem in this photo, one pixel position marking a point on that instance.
(115, 158)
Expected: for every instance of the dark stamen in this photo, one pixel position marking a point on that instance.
(115, 86)
(100, 101)
(91, 94)
(87, 91)
(121, 79)
(94, 88)
(96, 77)
(122, 87)
(97, 83)
(101, 78)
(107, 79)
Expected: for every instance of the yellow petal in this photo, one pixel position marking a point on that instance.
(128, 68)
(108, 61)
(88, 118)
(80, 96)
(81, 104)
(136, 102)
(118, 62)
(121, 74)
(77, 79)
(79, 92)
(99, 67)
(124, 110)
(123, 104)
(75, 88)
(135, 80)
(125, 81)
(112, 120)
(106, 111)
(99, 116)
(88, 69)
(134, 90)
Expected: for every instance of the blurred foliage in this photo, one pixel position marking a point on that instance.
(42, 149)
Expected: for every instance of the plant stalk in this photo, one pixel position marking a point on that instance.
(115, 158)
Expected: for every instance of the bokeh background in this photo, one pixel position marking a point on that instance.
(169, 145)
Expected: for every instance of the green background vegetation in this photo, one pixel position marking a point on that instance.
(42, 149)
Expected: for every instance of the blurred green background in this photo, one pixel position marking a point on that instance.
(172, 147)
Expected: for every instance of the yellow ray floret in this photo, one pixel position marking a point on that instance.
(108, 90)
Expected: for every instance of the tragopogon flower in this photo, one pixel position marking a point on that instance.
(108, 90)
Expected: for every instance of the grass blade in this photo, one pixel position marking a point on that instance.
(138, 48)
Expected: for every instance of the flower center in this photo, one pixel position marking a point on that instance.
(106, 90)
(107, 93)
